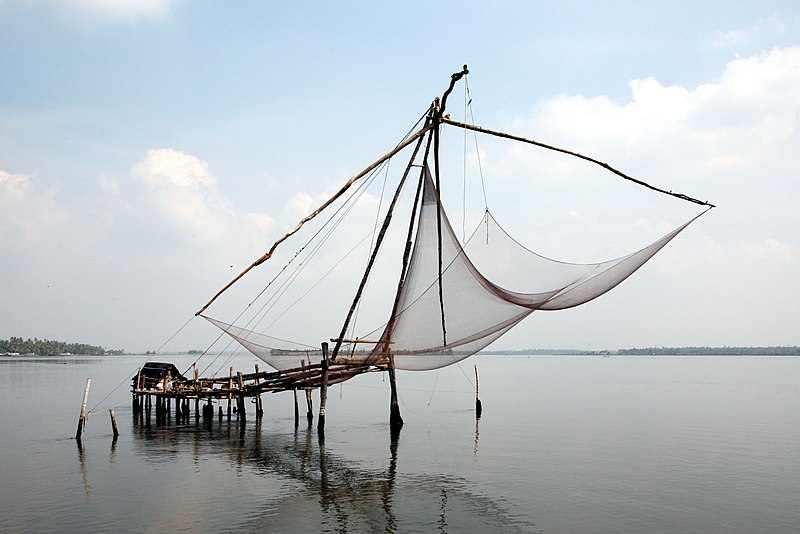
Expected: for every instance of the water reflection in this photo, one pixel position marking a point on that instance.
(321, 488)
(84, 470)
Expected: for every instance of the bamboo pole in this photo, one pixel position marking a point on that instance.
(114, 423)
(395, 421)
(478, 405)
(310, 406)
(259, 408)
(82, 420)
(242, 411)
(323, 390)
(474, 128)
(230, 389)
(296, 410)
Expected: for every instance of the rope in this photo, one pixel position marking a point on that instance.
(606, 166)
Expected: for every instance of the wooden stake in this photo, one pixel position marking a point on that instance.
(230, 388)
(478, 405)
(395, 421)
(309, 403)
(323, 389)
(114, 423)
(296, 411)
(242, 412)
(82, 420)
(259, 407)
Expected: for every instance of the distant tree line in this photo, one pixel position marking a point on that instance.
(48, 347)
(714, 351)
(658, 351)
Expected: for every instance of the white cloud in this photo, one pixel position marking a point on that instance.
(97, 10)
(124, 9)
(29, 212)
(186, 194)
(743, 36)
(732, 141)
(768, 249)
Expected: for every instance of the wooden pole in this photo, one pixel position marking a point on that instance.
(478, 405)
(82, 420)
(296, 410)
(395, 421)
(309, 401)
(230, 389)
(323, 389)
(310, 407)
(135, 390)
(242, 411)
(259, 408)
(114, 423)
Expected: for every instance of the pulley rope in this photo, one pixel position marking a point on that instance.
(350, 203)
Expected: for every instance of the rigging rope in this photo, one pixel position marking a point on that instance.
(474, 128)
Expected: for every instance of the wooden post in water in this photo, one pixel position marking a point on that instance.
(310, 407)
(135, 389)
(242, 411)
(478, 405)
(309, 402)
(323, 389)
(259, 407)
(114, 423)
(230, 389)
(296, 410)
(395, 421)
(82, 420)
(197, 392)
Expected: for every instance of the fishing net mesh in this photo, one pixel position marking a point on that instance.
(485, 288)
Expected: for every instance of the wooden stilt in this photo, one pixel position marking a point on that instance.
(296, 410)
(82, 420)
(135, 394)
(259, 407)
(478, 405)
(242, 411)
(309, 403)
(323, 389)
(113, 423)
(395, 421)
(230, 389)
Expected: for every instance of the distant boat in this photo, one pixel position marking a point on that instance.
(443, 307)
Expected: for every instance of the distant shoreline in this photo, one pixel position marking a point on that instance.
(648, 351)
(656, 351)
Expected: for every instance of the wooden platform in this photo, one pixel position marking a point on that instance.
(162, 382)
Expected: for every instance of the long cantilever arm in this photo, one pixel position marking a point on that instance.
(606, 166)
(316, 212)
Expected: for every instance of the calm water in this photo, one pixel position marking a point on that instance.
(565, 444)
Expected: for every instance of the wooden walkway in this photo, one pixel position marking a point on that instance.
(161, 384)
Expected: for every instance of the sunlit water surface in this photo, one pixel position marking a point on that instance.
(565, 444)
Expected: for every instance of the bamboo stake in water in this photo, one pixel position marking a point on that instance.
(114, 423)
(82, 419)
(478, 406)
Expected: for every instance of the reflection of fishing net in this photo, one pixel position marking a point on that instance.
(442, 320)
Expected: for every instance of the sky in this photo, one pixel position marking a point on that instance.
(152, 149)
